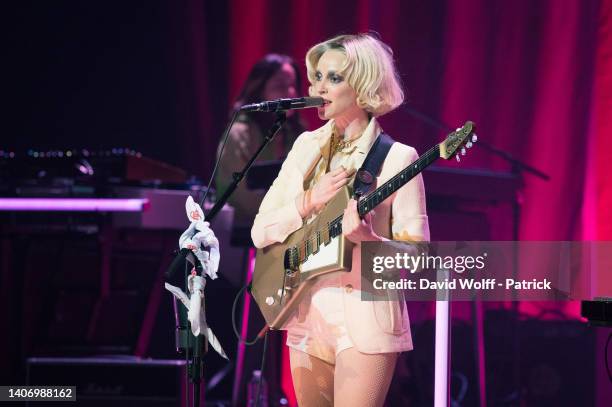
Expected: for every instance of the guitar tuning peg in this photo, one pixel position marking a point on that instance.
(463, 152)
(469, 144)
(458, 158)
(474, 138)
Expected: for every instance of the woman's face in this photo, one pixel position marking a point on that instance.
(281, 85)
(340, 98)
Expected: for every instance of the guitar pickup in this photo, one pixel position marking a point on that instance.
(324, 236)
(316, 243)
(301, 252)
(291, 260)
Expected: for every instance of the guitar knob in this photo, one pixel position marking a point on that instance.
(463, 152)
(269, 300)
(458, 159)
(474, 138)
(469, 144)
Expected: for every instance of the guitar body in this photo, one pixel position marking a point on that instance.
(277, 288)
(284, 272)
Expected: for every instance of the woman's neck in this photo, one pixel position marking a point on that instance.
(352, 126)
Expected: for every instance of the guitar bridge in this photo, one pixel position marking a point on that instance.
(291, 260)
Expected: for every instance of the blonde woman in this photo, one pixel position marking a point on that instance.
(343, 350)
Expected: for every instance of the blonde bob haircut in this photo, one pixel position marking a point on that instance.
(369, 70)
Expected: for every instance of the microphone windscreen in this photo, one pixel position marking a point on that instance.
(313, 101)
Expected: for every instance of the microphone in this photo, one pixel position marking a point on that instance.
(283, 104)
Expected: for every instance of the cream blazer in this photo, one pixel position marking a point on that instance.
(374, 326)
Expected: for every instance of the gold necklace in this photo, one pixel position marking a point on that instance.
(338, 145)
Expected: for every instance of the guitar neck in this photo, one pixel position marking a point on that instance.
(446, 150)
(381, 193)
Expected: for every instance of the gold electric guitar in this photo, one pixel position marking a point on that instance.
(284, 271)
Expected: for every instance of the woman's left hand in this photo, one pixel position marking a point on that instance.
(355, 229)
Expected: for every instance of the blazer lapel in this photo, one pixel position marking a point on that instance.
(310, 150)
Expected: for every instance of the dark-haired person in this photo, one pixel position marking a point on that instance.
(273, 77)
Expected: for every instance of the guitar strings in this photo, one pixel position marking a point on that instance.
(334, 227)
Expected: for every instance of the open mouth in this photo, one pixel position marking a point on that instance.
(323, 108)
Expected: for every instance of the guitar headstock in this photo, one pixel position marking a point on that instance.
(463, 136)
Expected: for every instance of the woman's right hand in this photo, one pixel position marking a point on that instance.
(325, 189)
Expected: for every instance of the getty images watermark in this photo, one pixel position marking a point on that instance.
(490, 271)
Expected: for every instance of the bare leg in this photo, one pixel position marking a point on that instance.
(313, 379)
(362, 380)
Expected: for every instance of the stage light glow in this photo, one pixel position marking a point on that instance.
(73, 204)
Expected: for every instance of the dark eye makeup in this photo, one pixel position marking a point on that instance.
(331, 75)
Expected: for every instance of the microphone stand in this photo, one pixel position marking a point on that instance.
(186, 342)
(517, 165)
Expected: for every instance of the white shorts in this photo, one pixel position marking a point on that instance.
(319, 327)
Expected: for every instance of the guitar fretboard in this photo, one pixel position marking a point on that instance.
(387, 189)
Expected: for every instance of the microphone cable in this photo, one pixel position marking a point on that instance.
(218, 158)
(261, 333)
(264, 332)
(261, 369)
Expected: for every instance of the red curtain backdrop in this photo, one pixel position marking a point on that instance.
(598, 212)
(536, 77)
(602, 111)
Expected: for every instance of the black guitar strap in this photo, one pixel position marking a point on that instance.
(371, 165)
